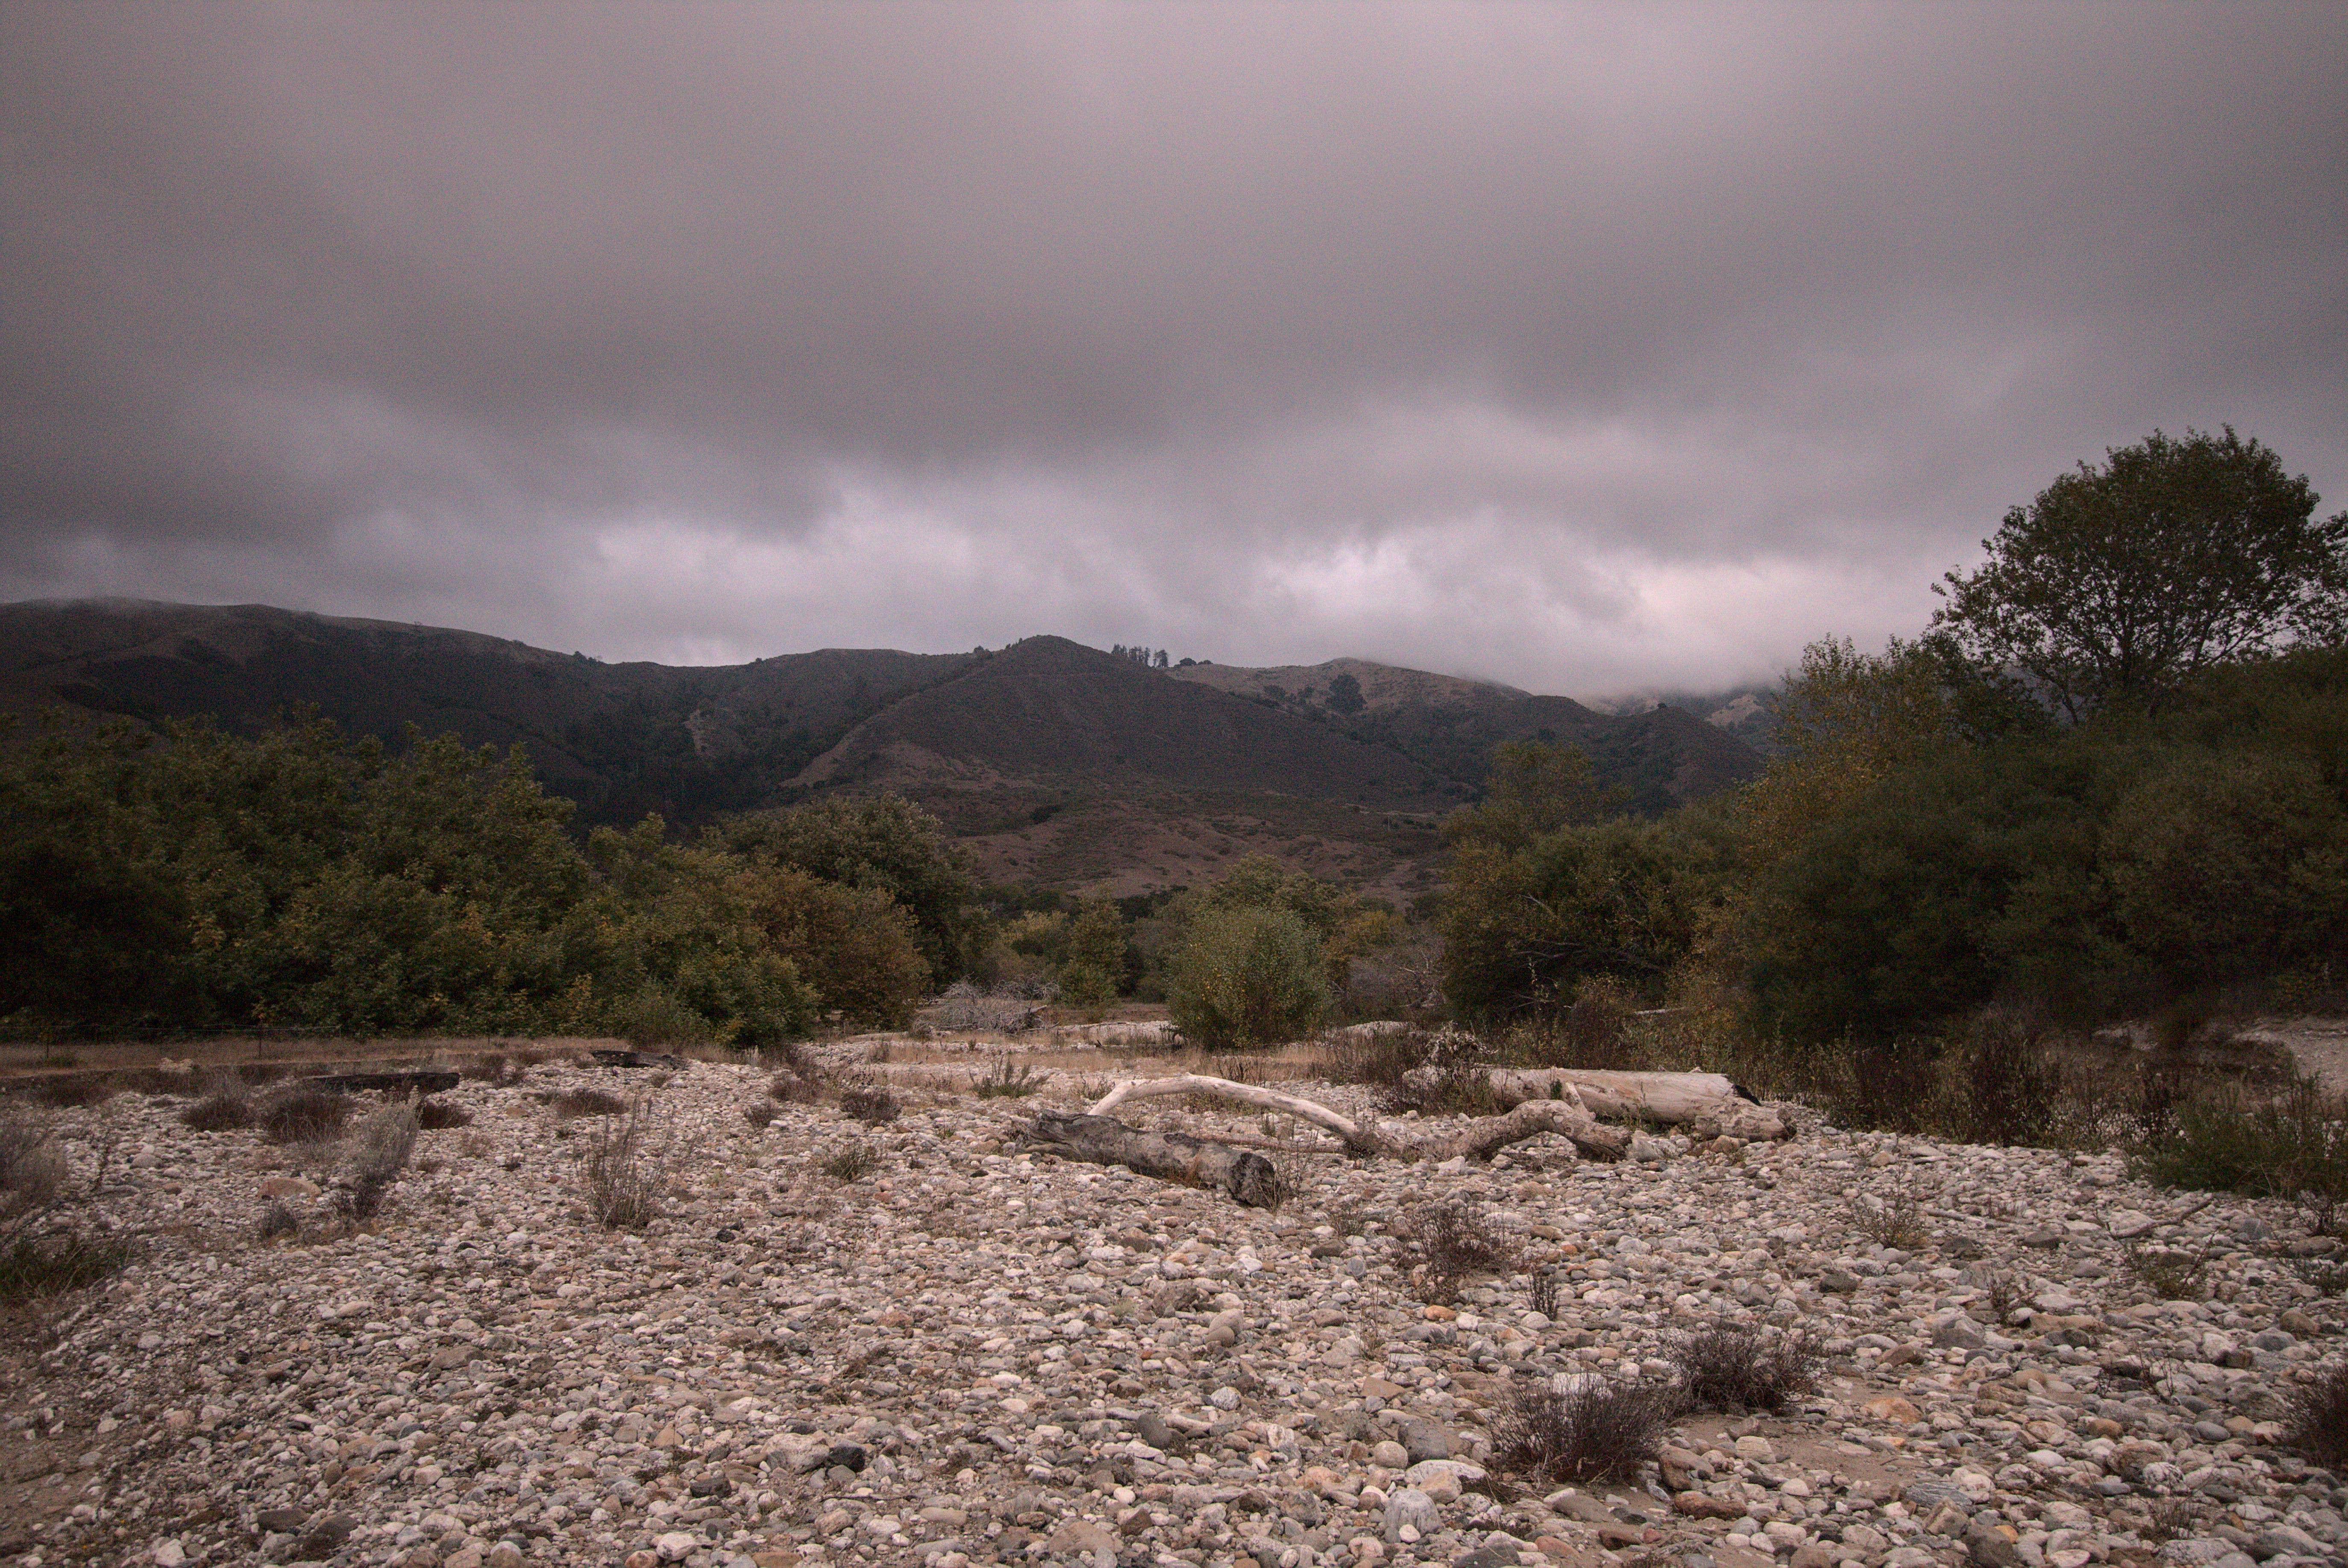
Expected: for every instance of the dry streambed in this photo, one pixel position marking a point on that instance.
(970, 1354)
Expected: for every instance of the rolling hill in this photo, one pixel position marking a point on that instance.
(1056, 763)
(1658, 759)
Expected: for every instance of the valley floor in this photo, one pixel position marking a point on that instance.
(975, 1355)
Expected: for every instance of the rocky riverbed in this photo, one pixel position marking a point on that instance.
(968, 1354)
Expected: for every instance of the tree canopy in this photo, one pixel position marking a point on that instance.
(2117, 583)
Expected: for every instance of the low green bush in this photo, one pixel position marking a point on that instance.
(1247, 976)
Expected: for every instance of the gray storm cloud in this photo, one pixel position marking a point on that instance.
(1586, 348)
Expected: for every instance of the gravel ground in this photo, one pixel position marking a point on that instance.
(974, 1356)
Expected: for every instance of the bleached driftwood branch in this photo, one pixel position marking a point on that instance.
(1563, 1114)
(1701, 1101)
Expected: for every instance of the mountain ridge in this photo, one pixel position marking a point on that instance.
(1051, 759)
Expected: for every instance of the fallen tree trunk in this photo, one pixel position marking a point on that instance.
(1707, 1102)
(1250, 1179)
(1563, 1114)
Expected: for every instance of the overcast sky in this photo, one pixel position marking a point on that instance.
(1591, 350)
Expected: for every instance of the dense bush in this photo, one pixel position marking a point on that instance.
(884, 843)
(1245, 976)
(1524, 925)
(1346, 926)
(857, 947)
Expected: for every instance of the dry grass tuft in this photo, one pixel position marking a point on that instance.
(1007, 1082)
(759, 1113)
(434, 1116)
(869, 1105)
(623, 1186)
(276, 1221)
(1443, 1244)
(32, 1168)
(2169, 1274)
(303, 1116)
(379, 1153)
(1896, 1221)
(579, 1102)
(1740, 1369)
(48, 1265)
(852, 1163)
(2318, 1425)
(1594, 1432)
(226, 1108)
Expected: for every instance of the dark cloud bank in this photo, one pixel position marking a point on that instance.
(1582, 348)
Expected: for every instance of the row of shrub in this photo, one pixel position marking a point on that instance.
(301, 881)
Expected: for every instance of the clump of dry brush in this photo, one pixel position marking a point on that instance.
(379, 1152)
(1740, 1369)
(1590, 1431)
(621, 1178)
(1443, 1244)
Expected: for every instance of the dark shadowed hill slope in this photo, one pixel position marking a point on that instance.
(1048, 711)
(621, 740)
(1058, 763)
(1658, 759)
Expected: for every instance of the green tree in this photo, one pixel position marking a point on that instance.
(2117, 583)
(1846, 720)
(880, 841)
(1535, 787)
(1094, 956)
(1523, 927)
(1345, 925)
(2231, 866)
(1247, 975)
(855, 946)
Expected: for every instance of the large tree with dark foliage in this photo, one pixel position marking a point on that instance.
(2117, 583)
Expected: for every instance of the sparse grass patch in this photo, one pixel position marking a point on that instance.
(1740, 1369)
(1007, 1082)
(378, 1155)
(2319, 1423)
(573, 1104)
(870, 1104)
(303, 1116)
(853, 1162)
(2002, 1296)
(32, 1169)
(759, 1112)
(1543, 1296)
(434, 1116)
(1442, 1244)
(795, 1087)
(49, 1265)
(225, 1109)
(1595, 1431)
(2170, 1274)
(1893, 1220)
(276, 1221)
(2223, 1139)
(75, 1089)
(623, 1190)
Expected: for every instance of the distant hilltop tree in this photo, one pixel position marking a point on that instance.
(1143, 657)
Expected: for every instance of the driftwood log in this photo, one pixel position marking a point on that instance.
(1707, 1102)
(1558, 1100)
(1564, 1114)
(1171, 1156)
